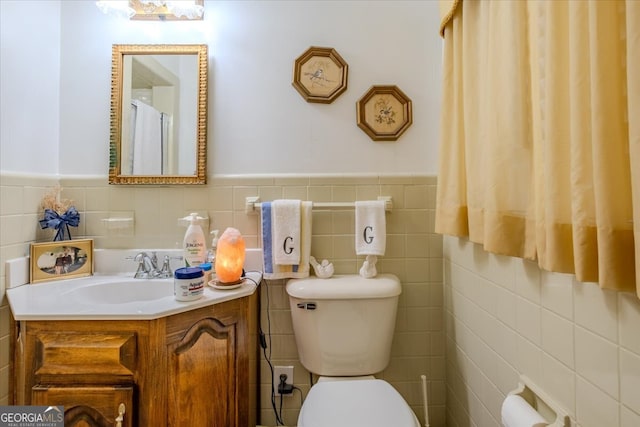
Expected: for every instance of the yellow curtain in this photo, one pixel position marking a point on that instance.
(540, 135)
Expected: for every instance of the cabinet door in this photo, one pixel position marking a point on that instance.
(202, 376)
(88, 406)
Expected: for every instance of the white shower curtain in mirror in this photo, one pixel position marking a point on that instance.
(147, 145)
(540, 139)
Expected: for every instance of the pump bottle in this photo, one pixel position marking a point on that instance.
(194, 245)
(211, 254)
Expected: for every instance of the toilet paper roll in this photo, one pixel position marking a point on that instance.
(516, 412)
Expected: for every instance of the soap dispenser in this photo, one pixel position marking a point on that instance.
(211, 254)
(193, 243)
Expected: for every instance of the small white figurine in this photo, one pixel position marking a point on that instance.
(368, 269)
(323, 270)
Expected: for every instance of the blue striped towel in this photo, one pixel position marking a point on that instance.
(278, 271)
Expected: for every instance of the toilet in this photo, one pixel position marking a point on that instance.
(343, 328)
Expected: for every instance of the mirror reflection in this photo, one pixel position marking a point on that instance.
(158, 130)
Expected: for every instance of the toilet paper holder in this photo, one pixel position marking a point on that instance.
(541, 402)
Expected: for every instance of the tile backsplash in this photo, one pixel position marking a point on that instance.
(413, 253)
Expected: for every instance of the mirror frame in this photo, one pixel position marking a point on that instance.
(115, 139)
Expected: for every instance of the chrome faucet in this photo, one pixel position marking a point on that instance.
(147, 265)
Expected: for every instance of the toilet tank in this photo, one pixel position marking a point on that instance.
(344, 325)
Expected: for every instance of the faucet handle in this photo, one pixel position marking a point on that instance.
(137, 257)
(165, 271)
(141, 272)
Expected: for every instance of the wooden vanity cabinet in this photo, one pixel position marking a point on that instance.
(197, 368)
(87, 406)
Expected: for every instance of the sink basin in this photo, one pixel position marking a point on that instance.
(112, 293)
(109, 297)
(123, 292)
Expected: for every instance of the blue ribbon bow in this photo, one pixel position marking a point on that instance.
(61, 222)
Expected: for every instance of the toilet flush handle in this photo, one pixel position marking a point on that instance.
(307, 305)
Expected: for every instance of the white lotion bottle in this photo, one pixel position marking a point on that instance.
(194, 245)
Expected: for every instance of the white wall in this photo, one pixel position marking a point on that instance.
(30, 70)
(258, 123)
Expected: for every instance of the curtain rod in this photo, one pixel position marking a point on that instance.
(253, 204)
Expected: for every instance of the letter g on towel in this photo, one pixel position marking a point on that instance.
(288, 248)
(368, 239)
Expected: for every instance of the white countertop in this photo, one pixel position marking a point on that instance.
(59, 300)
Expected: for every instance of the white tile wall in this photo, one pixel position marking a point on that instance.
(628, 320)
(629, 418)
(630, 379)
(594, 407)
(579, 343)
(590, 299)
(557, 337)
(597, 361)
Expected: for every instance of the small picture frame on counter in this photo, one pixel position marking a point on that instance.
(61, 260)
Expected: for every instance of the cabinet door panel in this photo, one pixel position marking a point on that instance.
(87, 406)
(93, 358)
(202, 378)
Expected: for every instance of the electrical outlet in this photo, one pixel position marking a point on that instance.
(279, 370)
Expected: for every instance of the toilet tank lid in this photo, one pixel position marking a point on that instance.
(350, 286)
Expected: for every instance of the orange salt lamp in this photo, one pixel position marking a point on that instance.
(230, 257)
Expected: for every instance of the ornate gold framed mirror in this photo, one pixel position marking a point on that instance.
(158, 114)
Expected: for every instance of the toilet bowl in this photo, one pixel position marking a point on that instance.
(343, 328)
(358, 402)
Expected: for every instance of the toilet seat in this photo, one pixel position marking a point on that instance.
(351, 403)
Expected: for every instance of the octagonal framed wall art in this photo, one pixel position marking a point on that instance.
(384, 113)
(320, 75)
